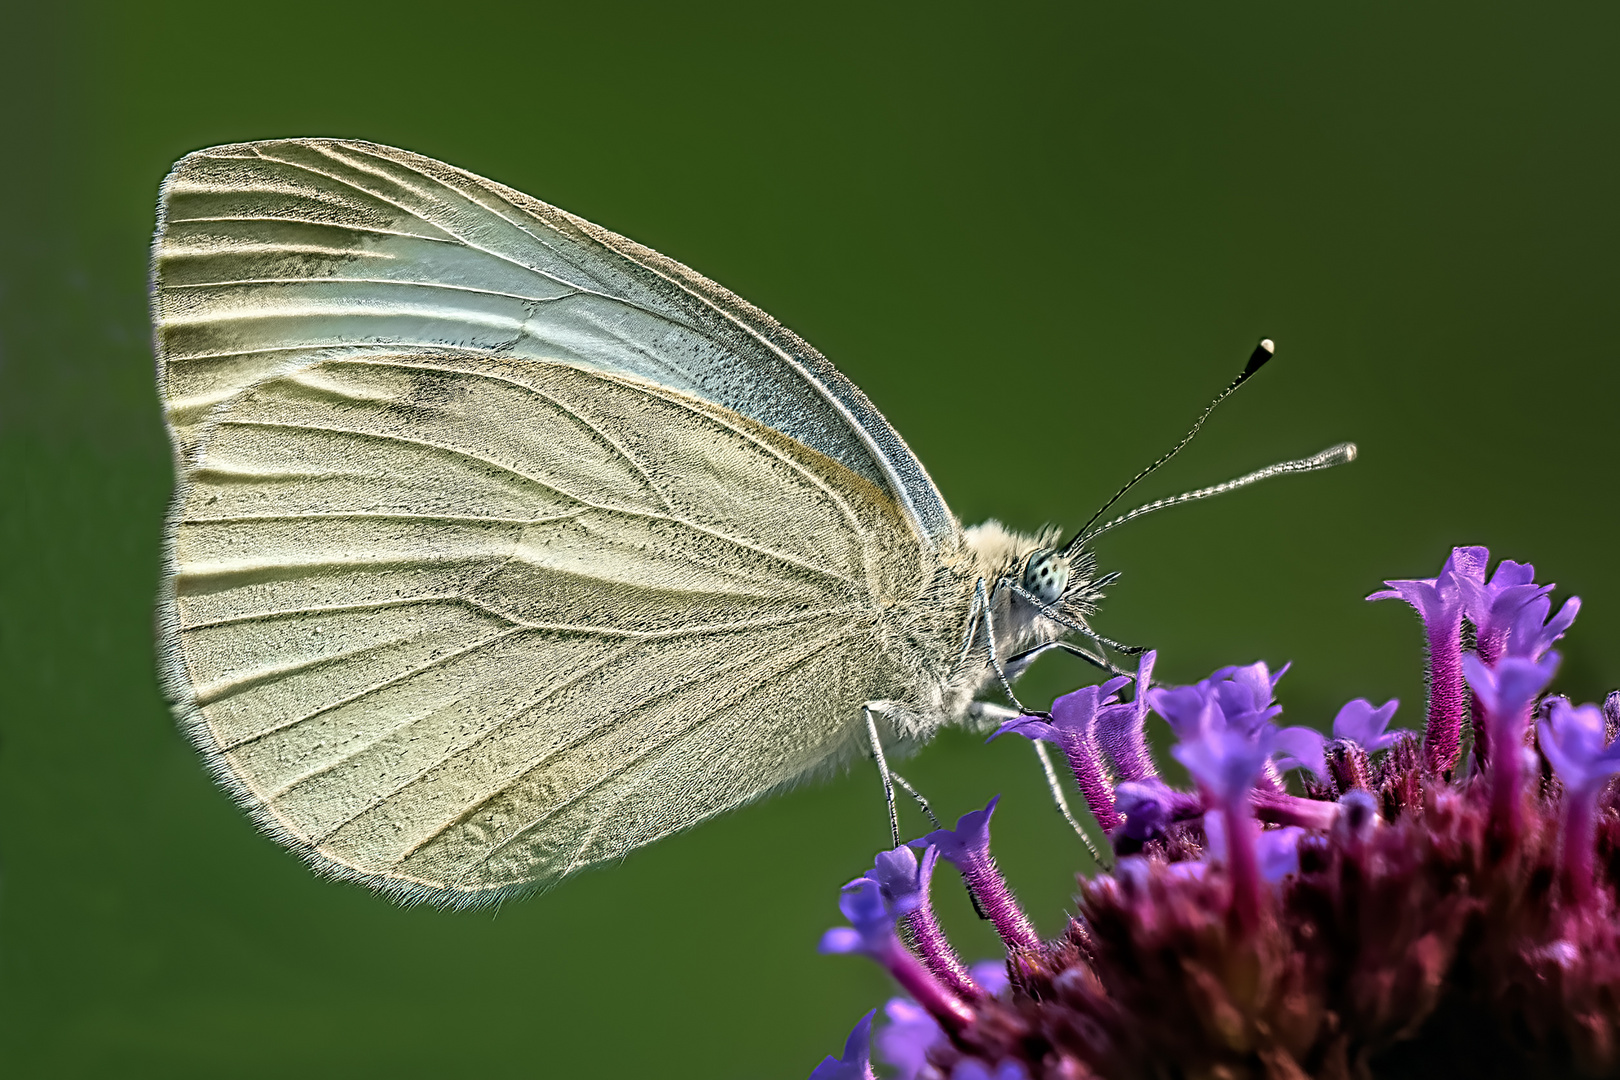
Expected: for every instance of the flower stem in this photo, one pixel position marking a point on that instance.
(1579, 840)
(925, 990)
(936, 951)
(1243, 867)
(987, 884)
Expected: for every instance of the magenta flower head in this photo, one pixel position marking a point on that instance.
(967, 847)
(1360, 723)
(856, 1064)
(1439, 601)
(1074, 729)
(1391, 919)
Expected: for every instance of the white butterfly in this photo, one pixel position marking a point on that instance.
(502, 545)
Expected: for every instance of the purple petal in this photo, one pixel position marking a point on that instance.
(991, 975)
(910, 1033)
(1187, 709)
(841, 939)
(969, 839)
(899, 879)
(856, 1063)
(1303, 748)
(1439, 600)
(1279, 852)
(1146, 807)
(862, 904)
(1227, 763)
(1030, 727)
(1359, 722)
(1532, 634)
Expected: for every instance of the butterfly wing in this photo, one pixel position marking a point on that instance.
(453, 624)
(272, 255)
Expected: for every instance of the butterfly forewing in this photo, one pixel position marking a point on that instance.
(273, 255)
(453, 624)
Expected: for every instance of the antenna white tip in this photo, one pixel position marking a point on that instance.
(1268, 345)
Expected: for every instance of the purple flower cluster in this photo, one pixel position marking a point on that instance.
(1404, 913)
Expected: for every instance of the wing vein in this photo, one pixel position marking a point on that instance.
(717, 707)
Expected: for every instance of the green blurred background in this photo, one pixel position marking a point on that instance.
(1039, 237)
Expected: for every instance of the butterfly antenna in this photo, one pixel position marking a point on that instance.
(1341, 454)
(1257, 359)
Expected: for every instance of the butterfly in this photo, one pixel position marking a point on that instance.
(502, 545)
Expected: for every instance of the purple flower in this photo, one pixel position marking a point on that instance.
(1245, 694)
(967, 847)
(1073, 729)
(872, 932)
(1575, 741)
(910, 1033)
(1226, 763)
(1121, 729)
(1241, 698)
(1493, 606)
(856, 1064)
(1146, 807)
(1505, 694)
(1533, 633)
(871, 921)
(1439, 601)
(1277, 849)
(1360, 723)
(899, 879)
(1507, 690)
(1301, 748)
(904, 880)
(1576, 745)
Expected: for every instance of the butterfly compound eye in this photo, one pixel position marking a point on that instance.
(1046, 575)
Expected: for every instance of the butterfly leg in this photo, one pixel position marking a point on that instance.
(1017, 664)
(905, 786)
(988, 712)
(981, 601)
(1054, 783)
(887, 777)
